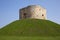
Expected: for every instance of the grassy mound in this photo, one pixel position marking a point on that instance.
(31, 27)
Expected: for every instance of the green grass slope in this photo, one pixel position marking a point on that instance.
(31, 27)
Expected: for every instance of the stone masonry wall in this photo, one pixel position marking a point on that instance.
(32, 11)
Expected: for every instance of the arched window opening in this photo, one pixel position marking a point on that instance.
(25, 15)
(42, 14)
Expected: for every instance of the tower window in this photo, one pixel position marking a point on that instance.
(39, 9)
(25, 15)
(42, 14)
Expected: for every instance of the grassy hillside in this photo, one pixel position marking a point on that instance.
(31, 27)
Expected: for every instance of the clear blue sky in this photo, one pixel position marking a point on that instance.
(9, 9)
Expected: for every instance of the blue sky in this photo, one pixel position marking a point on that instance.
(9, 9)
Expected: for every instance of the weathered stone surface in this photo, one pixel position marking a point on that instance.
(32, 11)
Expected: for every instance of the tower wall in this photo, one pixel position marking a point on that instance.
(33, 11)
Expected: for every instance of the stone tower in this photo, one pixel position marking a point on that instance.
(33, 12)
